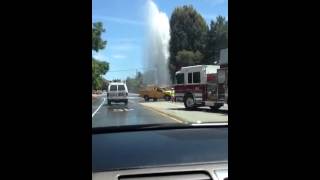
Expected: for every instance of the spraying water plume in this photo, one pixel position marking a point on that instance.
(157, 46)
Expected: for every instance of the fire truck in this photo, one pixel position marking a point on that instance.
(202, 85)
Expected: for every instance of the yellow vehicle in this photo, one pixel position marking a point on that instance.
(169, 93)
(155, 93)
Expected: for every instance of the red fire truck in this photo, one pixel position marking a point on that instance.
(203, 85)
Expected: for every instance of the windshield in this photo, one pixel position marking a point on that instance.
(159, 62)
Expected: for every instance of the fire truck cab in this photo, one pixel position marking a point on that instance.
(198, 86)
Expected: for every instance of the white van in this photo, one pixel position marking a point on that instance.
(117, 92)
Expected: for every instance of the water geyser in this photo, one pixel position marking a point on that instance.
(156, 51)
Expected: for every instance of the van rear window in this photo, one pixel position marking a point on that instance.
(121, 88)
(113, 87)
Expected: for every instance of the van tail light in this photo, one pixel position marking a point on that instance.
(107, 94)
(126, 94)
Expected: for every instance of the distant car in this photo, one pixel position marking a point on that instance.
(117, 92)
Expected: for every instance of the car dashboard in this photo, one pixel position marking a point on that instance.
(210, 171)
(172, 154)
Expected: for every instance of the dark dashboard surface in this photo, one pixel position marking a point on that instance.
(137, 149)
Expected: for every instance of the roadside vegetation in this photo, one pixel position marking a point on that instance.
(99, 67)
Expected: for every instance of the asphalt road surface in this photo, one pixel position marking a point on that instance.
(119, 114)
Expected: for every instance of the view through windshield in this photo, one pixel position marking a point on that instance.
(159, 62)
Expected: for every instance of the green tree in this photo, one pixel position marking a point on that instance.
(99, 68)
(188, 31)
(217, 39)
(105, 84)
(188, 58)
(97, 42)
(97, 83)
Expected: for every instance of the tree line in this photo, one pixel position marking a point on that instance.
(192, 41)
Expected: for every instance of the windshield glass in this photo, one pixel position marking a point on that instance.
(159, 62)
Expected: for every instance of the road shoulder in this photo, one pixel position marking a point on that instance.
(178, 112)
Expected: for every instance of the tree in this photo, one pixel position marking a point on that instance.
(217, 39)
(188, 58)
(188, 31)
(99, 68)
(97, 42)
(97, 83)
(105, 84)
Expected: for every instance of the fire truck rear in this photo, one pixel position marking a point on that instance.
(198, 86)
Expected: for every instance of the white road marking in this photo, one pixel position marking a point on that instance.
(122, 109)
(98, 108)
(117, 110)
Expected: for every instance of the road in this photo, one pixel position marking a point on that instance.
(119, 114)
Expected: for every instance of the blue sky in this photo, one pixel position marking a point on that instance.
(125, 29)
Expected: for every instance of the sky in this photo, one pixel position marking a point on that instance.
(125, 24)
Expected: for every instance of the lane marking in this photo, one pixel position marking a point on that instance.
(117, 110)
(163, 114)
(122, 109)
(98, 107)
